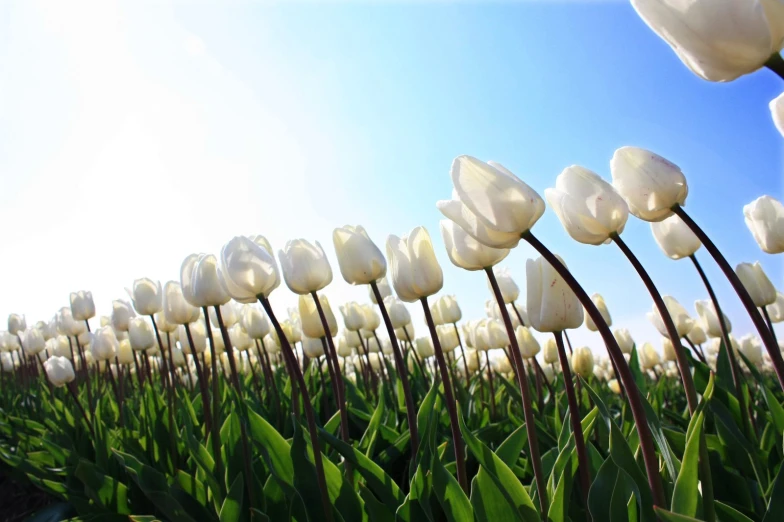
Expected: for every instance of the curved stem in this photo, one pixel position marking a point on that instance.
(205, 396)
(309, 416)
(647, 447)
(457, 439)
(669, 325)
(759, 323)
(490, 383)
(525, 392)
(766, 315)
(694, 349)
(776, 64)
(215, 397)
(576, 418)
(402, 369)
(462, 352)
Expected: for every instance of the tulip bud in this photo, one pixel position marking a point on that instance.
(176, 309)
(199, 336)
(588, 207)
(552, 305)
(582, 362)
(490, 203)
(200, 282)
(528, 344)
(254, 321)
(105, 321)
(549, 373)
(473, 361)
(697, 335)
(247, 269)
(502, 364)
(680, 317)
(448, 310)
(60, 346)
(509, 289)
(614, 386)
(59, 370)
(140, 334)
(675, 238)
(668, 349)
(649, 357)
(598, 300)
(624, 339)
(104, 344)
(229, 314)
(178, 358)
(344, 349)
(756, 283)
(305, 266)
(709, 318)
(271, 343)
(239, 338)
(765, 218)
(146, 296)
(397, 311)
(650, 184)
(361, 261)
(383, 289)
(372, 345)
(313, 348)
(447, 336)
(16, 324)
(82, 305)
(125, 352)
(33, 341)
(719, 40)
(776, 310)
(415, 270)
(550, 351)
(777, 111)
(424, 347)
(405, 332)
(751, 347)
(311, 321)
(50, 329)
(372, 319)
(466, 252)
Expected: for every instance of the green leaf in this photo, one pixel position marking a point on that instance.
(685, 497)
(231, 510)
(669, 516)
(453, 500)
(102, 489)
(730, 514)
(775, 511)
(368, 440)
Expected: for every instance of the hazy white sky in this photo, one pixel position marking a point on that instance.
(126, 144)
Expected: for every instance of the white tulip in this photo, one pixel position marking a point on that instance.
(675, 238)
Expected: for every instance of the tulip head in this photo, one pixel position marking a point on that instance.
(361, 261)
(765, 219)
(588, 207)
(750, 346)
(447, 310)
(305, 266)
(67, 325)
(649, 357)
(424, 347)
(466, 252)
(59, 371)
(415, 269)
(675, 238)
(176, 309)
(668, 349)
(650, 184)
(550, 351)
(598, 300)
(147, 296)
(125, 352)
(405, 332)
(311, 321)
(383, 289)
(33, 341)
(680, 317)
(140, 334)
(582, 362)
(198, 335)
(82, 305)
(254, 321)
(509, 289)
(353, 316)
(709, 318)
(490, 203)
(104, 344)
(697, 334)
(239, 338)
(397, 311)
(624, 339)
(447, 336)
(776, 310)
(312, 348)
(200, 282)
(551, 304)
(247, 269)
(756, 283)
(122, 313)
(528, 344)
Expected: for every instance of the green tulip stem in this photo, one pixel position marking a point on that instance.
(205, 396)
(72, 390)
(576, 419)
(172, 369)
(309, 416)
(86, 373)
(338, 386)
(647, 447)
(698, 353)
(216, 399)
(669, 325)
(412, 348)
(541, 376)
(525, 392)
(767, 339)
(332, 377)
(462, 351)
(451, 405)
(401, 367)
(776, 64)
(490, 384)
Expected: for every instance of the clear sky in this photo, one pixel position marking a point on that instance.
(133, 134)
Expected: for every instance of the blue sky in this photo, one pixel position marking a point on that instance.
(132, 134)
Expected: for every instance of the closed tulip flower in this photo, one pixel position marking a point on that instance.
(598, 300)
(750, 346)
(254, 321)
(398, 313)
(709, 318)
(697, 334)
(675, 238)
(383, 288)
(448, 310)
(50, 329)
(719, 40)
(247, 269)
(582, 362)
(466, 252)
(33, 341)
(147, 296)
(472, 359)
(67, 325)
(200, 282)
(490, 203)
(509, 289)
(624, 339)
(502, 365)
(199, 336)
(756, 283)
(447, 336)
(372, 319)
(239, 338)
(141, 334)
(550, 351)
(415, 269)
(59, 371)
(122, 313)
(82, 305)
(176, 309)
(16, 324)
(361, 261)
(649, 357)
(178, 358)
(680, 317)
(229, 314)
(614, 386)
(776, 310)
(305, 266)
(424, 347)
(125, 352)
(765, 218)
(343, 348)
(104, 344)
(528, 344)
(313, 348)
(353, 316)
(588, 207)
(777, 111)
(59, 345)
(650, 184)
(552, 305)
(405, 332)
(668, 349)
(311, 321)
